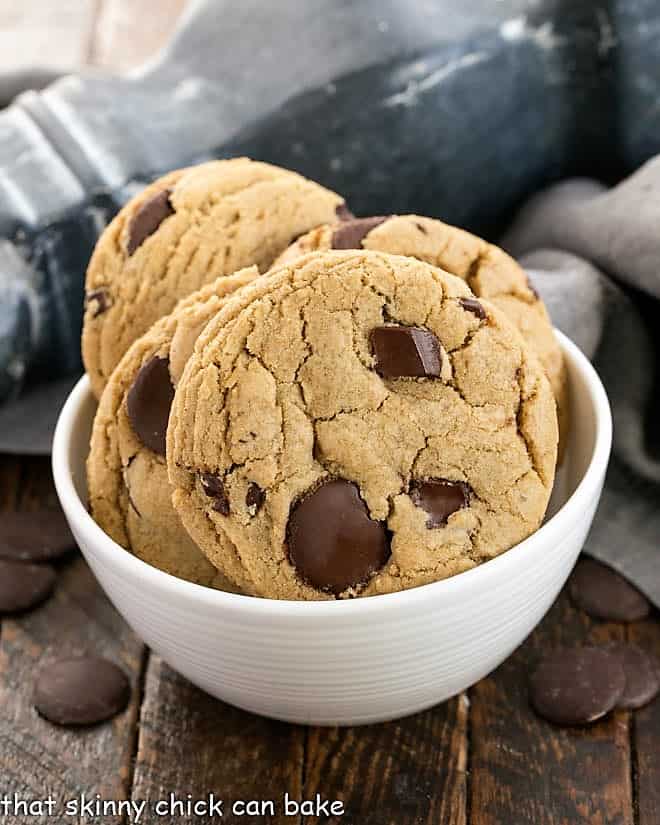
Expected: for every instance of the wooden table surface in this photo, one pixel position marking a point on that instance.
(482, 758)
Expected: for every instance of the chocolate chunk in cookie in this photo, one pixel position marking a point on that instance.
(439, 498)
(149, 401)
(148, 218)
(473, 306)
(254, 498)
(351, 233)
(577, 686)
(406, 352)
(214, 488)
(333, 543)
(604, 594)
(343, 213)
(81, 691)
(99, 301)
(23, 586)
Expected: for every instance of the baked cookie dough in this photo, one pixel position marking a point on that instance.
(130, 495)
(359, 423)
(182, 232)
(488, 270)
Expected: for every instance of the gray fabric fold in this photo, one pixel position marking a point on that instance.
(614, 228)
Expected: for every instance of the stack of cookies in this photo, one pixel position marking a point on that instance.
(298, 404)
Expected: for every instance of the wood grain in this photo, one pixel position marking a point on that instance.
(409, 771)
(36, 757)
(646, 734)
(525, 770)
(190, 743)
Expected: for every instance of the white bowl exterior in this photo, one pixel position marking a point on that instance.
(353, 662)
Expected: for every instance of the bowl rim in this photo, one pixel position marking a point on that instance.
(126, 564)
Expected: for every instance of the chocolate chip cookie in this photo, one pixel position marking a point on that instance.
(182, 232)
(130, 495)
(358, 423)
(488, 270)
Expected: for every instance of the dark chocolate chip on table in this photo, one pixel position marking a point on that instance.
(439, 498)
(406, 352)
(81, 690)
(575, 686)
(602, 593)
(36, 536)
(149, 401)
(24, 586)
(642, 674)
(351, 233)
(148, 218)
(473, 306)
(214, 488)
(332, 541)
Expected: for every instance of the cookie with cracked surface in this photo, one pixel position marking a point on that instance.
(182, 232)
(488, 270)
(359, 423)
(129, 492)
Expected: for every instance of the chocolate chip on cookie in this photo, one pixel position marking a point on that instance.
(343, 213)
(35, 536)
(254, 498)
(23, 586)
(473, 306)
(149, 401)
(81, 690)
(148, 218)
(642, 675)
(439, 498)
(352, 232)
(100, 299)
(604, 594)
(214, 488)
(406, 352)
(333, 543)
(577, 686)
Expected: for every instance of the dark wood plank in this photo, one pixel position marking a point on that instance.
(524, 770)
(190, 743)
(399, 773)
(36, 757)
(646, 734)
(10, 474)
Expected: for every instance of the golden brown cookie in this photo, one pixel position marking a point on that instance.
(129, 492)
(359, 423)
(182, 232)
(488, 270)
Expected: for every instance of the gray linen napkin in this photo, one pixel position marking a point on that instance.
(617, 228)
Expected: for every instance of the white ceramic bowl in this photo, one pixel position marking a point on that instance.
(349, 662)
